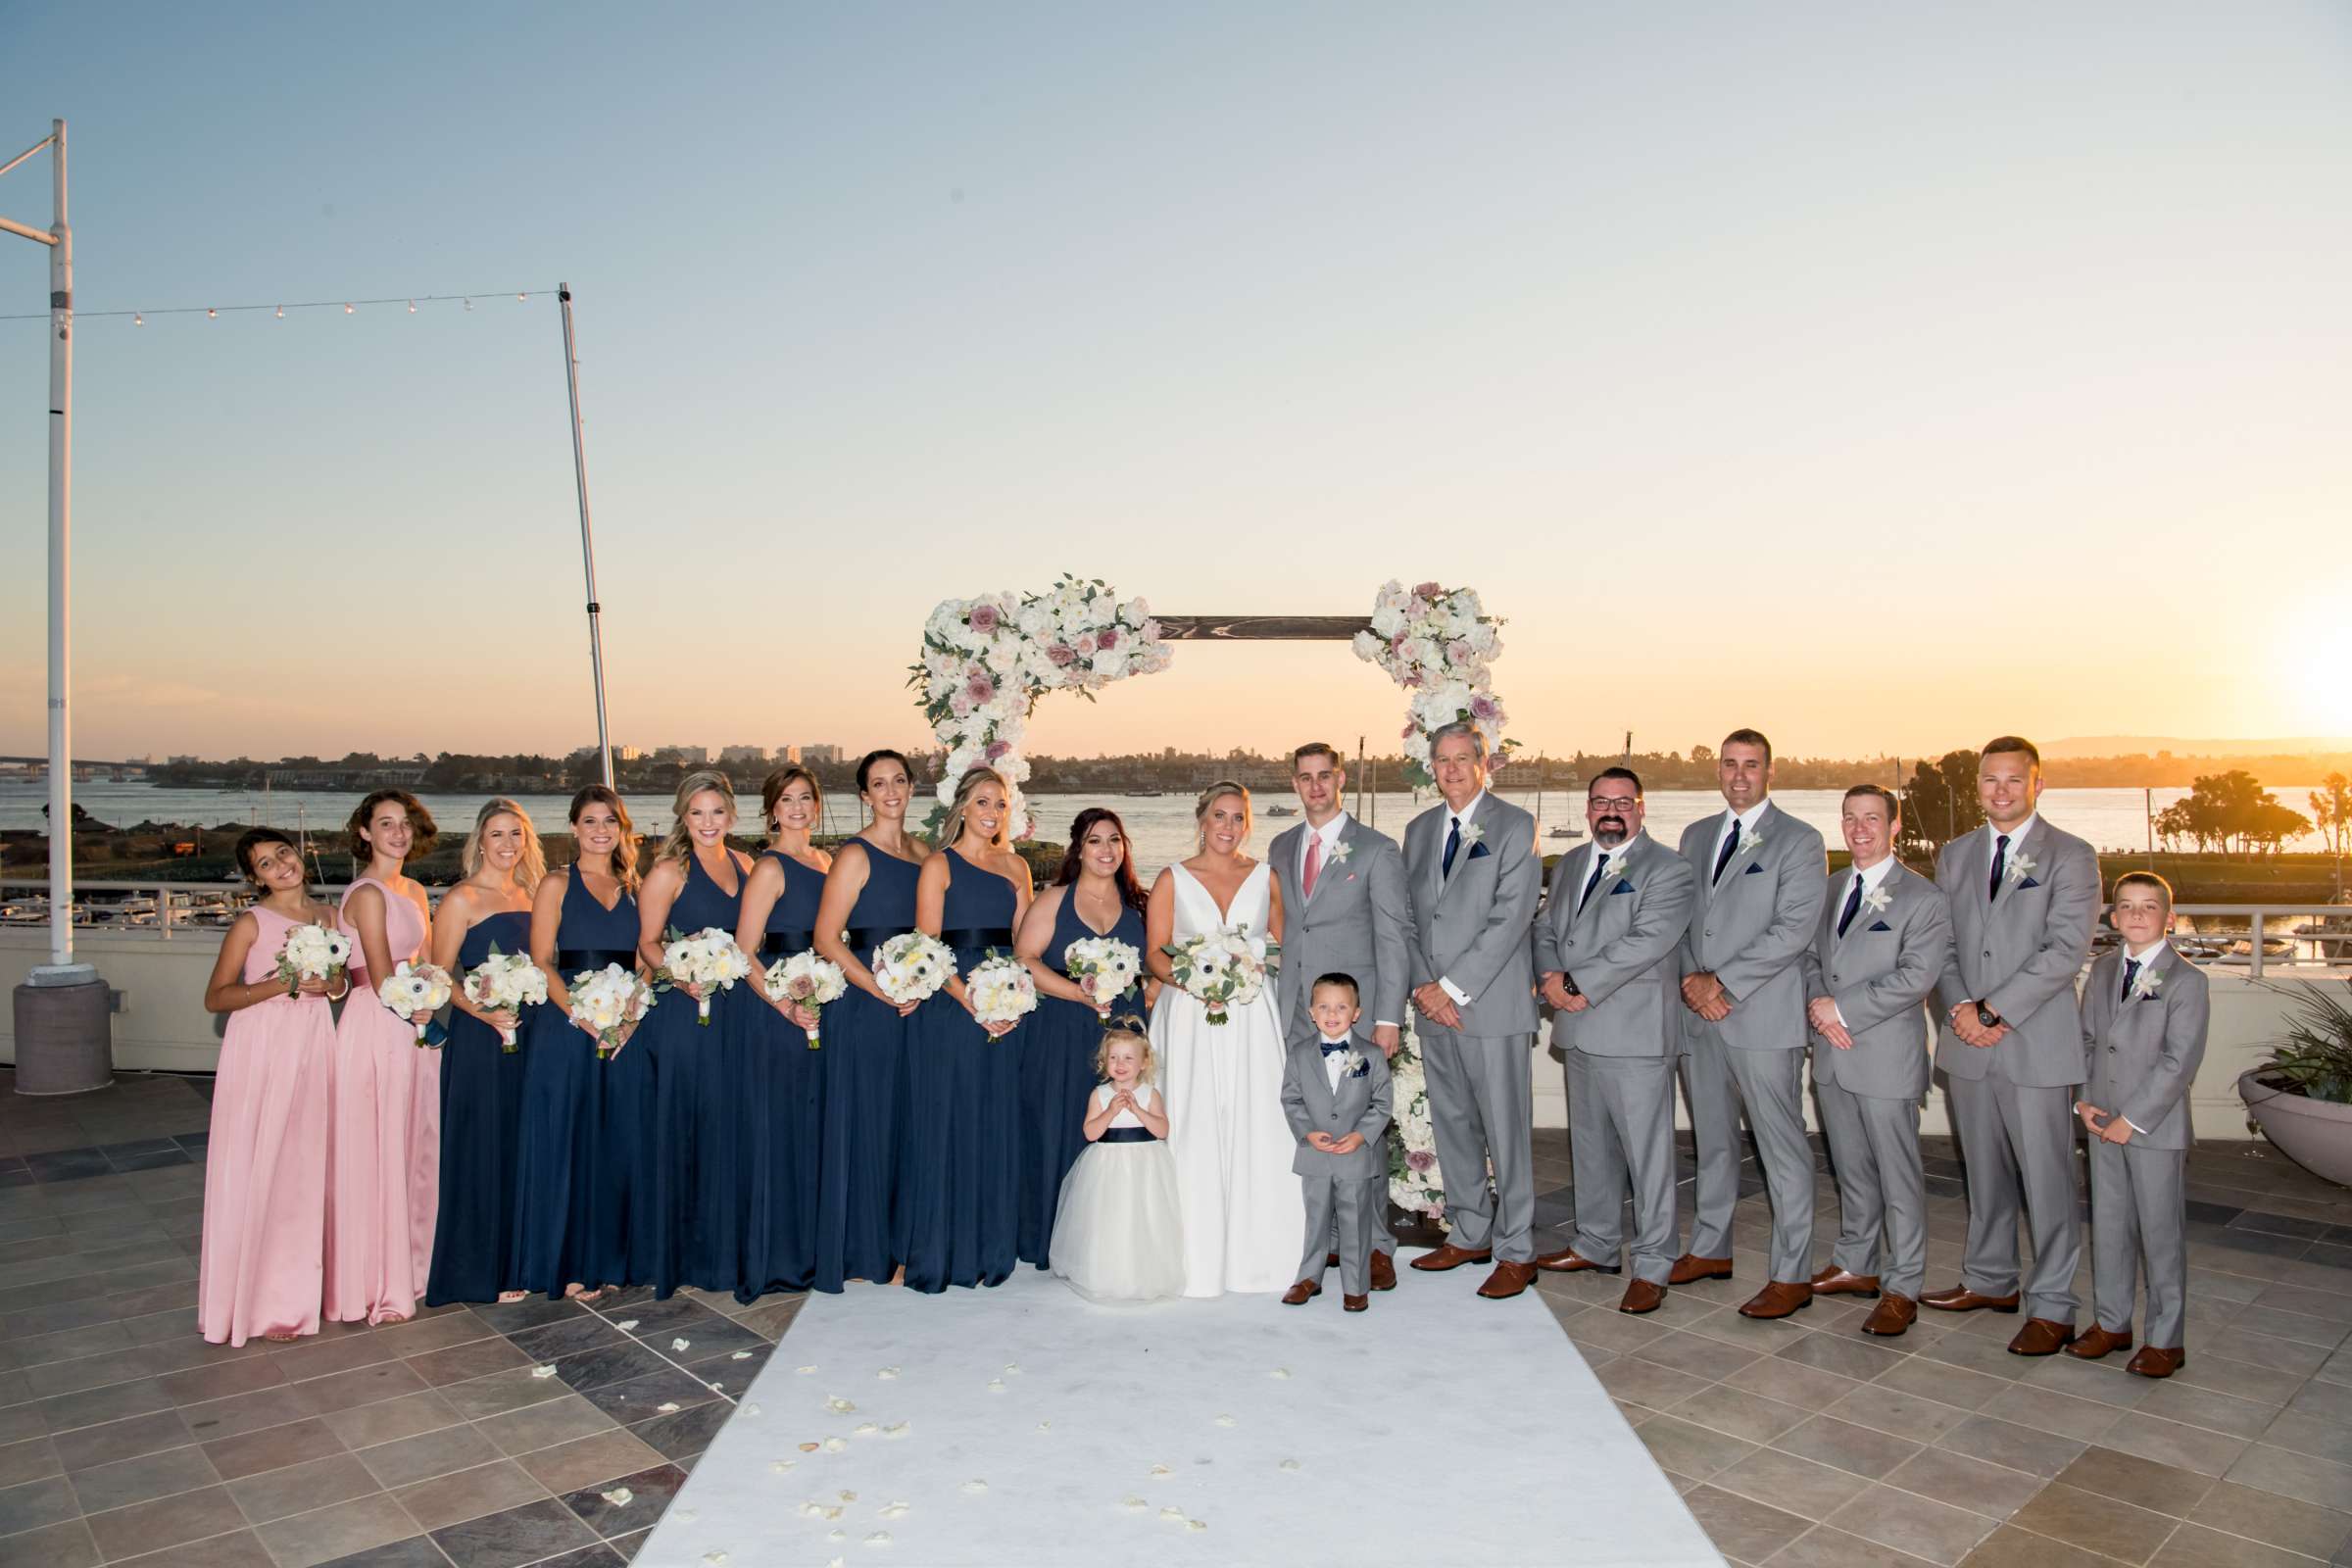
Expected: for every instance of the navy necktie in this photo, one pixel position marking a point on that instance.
(1598, 866)
(1853, 903)
(2001, 864)
(1332, 1049)
(1723, 857)
(2131, 973)
(1454, 843)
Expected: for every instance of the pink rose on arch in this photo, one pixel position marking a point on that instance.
(960, 704)
(1108, 639)
(1405, 733)
(1460, 652)
(1150, 631)
(1087, 644)
(998, 751)
(1061, 654)
(1412, 681)
(981, 688)
(985, 618)
(1484, 708)
(1420, 1159)
(1428, 589)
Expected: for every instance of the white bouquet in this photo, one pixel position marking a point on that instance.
(504, 982)
(608, 1001)
(709, 958)
(312, 952)
(806, 979)
(414, 993)
(1000, 990)
(1104, 967)
(912, 966)
(1223, 968)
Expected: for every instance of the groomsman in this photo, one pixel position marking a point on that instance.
(1344, 912)
(1763, 878)
(1605, 951)
(1473, 877)
(1882, 943)
(2024, 897)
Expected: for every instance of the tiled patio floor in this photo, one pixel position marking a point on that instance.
(125, 1439)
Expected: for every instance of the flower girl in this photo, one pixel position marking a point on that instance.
(1116, 1233)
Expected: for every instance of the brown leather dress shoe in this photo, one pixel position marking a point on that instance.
(2152, 1362)
(1450, 1256)
(2041, 1336)
(1895, 1313)
(1384, 1271)
(1691, 1266)
(1835, 1281)
(1354, 1303)
(1960, 1299)
(2096, 1342)
(1777, 1300)
(1302, 1293)
(1508, 1281)
(1567, 1261)
(1641, 1296)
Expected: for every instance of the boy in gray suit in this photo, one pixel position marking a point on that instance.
(1336, 1097)
(2145, 1013)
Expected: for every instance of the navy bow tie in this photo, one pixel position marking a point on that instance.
(1331, 1050)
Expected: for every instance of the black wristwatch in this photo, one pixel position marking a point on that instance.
(1987, 1017)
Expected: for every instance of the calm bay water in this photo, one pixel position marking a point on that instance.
(1161, 826)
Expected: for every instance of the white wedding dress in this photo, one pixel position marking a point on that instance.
(1243, 1209)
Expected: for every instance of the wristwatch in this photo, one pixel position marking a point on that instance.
(1987, 1017)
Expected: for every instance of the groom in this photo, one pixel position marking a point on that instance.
(1473, 877)
(1344, 912)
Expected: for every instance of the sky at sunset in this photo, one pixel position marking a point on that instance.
(1877, 375)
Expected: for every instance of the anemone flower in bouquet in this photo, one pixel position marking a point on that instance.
(806, 980)
(1224, 969)
(607, 1001)
(1001, 989)
(1104, 967)
(312, 952)
(414, 993)
(911, 966)
(708, 960)
(504, 982)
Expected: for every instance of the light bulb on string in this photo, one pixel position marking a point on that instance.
(470, 304)
(523, 296)
(212, 316)
(136, 320)
(281, 313)
(411, 307)
(346, 310)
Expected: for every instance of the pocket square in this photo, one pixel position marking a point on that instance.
(1478, 850)
(1880, 925)
(1363, 1069)
(2026, 883)
(1752, 868)
(1622, 887)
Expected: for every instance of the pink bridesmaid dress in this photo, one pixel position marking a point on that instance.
(265, 1176)
(386, 1150)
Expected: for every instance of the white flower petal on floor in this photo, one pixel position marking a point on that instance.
(1045, 1426)
(667, 1407)
(995, 1385)
(835, 1445)
(887, 1373)
(751, 1410)
(714, 1558)
(898, 1431)
(865, 1429)
(896, 1510)
(847, 1497)
(740, 1356)
(1159, 1470)
(780, 1467)
(838, 1405)
(804, 1370)
(685, 1515)
(543, 1371)
(618, 1496)
(973, 1488)
(1174, 1516)
(718, 1388)
(679, 1344)
(1013, 1366)
(880, 1538)
(1287, 1464)
(837, 1535)
(627, 1325)
(1227, 1421)
(1195, 1523)
(1280, 1372)
(1134, 1505)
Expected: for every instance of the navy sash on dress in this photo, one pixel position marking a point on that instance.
(865, 941)
(784, 943)
(1127, 1135)
(571, 960)
(961, 940)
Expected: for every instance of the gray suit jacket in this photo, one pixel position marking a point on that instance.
(1621, 949)
(2139, 1057)
(1471, 927)
(1752, 929)
(1360, 1107)
(2019, 953)
(1357, 923)
(1881, 974)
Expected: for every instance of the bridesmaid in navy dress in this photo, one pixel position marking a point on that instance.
(956, 1215)
(567, 1225)
(781, 1088)
(1094, 894)
(481, 1080)
(697, 882)
(869, 898)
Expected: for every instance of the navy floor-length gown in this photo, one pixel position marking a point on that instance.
(1059, 1045)
(858, 1072)
(481, 1121)
(568, 1227)
(782, 1099)
(954, 1216)
(697, 1124)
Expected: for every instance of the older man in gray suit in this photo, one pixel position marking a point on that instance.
(1762, 876)
(1882, 943)
(1473, 878)
(2023, 897)
(1605, 955)
(1345, 912)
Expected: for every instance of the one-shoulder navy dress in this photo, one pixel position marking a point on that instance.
(859, 1067)
(481, 1123)
(781, 1099)
(696, 1121)
(1059, 1045)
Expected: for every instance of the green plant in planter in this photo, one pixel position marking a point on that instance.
(2314, 1059)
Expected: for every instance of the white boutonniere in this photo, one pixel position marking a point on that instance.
(1353, 1065)
(2021, 866)
(2145, 985)
(1877, 900)
(1340, 849)
(1473, 833)
(1754, 841)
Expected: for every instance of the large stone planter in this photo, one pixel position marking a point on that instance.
(2315, 1133)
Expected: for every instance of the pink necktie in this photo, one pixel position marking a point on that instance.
(1315, 864)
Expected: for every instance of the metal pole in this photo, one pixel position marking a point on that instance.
(60, 575)
(579, 470)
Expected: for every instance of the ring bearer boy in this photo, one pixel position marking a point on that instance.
(1336, 1097)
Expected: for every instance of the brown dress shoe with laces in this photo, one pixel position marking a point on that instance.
(1384, 1271)
(2096, 1342)
(1508, 1281)
(1567, 1260)
(1835, 1281)
(2152, 1362)
(1641, 1296)
(1450, 1256)
(1302, 1293)
(1777, 1300)
(1354, 1303)
(2041, 1336)
(1895, 1313)
(1960, 1299)
(1690, 1267)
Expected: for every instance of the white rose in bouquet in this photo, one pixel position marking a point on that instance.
(807, 980)
(911, 966)
(503, 983)
(312, 952)
(1104, 967)
(607, 1001)
(414, 993)
(1000, 990)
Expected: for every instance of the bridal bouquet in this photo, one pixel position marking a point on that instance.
(1000, 990)
(1223, 968)
(912, 966)
(608, 1001)
(806, 979)
(414, 993)
(501, 983)
(708, 958)
(312, 952)
(1104, 967)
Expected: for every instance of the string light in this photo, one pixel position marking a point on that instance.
(346, 310)
(214, 313)
(411, 307)
(281, 313)
(136, 320)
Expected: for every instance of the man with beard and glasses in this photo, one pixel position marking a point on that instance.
(1605, 949)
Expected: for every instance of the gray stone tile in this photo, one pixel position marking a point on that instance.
(426, 1456)
(34, 1503)
(1965, 1483)
(2195, 1546)
(2299, 1526)
(2303, 1477)
(523, 1535)
(239, 1548)
(485, 1489)
(326, 1534)
(1790, 1483)
(1742, 1529)
(88, 1447)
(271, 1448)
(1909, 1523)
(1689, 1449)
(1848, 1446)
(151, 1526)
(301, 1488)
(365, 1426)
(2105, 1525)
(141, 1479)
(2022, 1449)
(2143, 1483)
(66, 1545)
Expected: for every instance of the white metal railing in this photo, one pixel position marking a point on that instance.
(153, 907)
(2269, 934)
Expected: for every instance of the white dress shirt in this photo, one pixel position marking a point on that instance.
(1870, 884)
(2015, 835)
(1335, 1063)
(1609, 864)
(1460, 818)
(1747, 822)
(1329, 833)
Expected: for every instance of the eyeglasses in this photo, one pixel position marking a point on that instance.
(1621, 803)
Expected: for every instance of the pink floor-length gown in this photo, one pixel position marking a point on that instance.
(386, 1148)
(265, 1176)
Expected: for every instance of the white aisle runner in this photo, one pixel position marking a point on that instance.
(1024, 1426)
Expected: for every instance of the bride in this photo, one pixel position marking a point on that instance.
(1243, 1208)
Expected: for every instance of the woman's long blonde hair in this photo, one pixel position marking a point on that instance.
(1210, 797)
(966, 788)
(1145, 1063)
(533, 863)
(678, 844)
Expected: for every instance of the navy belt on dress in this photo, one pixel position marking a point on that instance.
(573, 960)
(867, 939)
(1127, 1135)
(784, 943)
(977, 938)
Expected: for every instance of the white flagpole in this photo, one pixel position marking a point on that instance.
(579, 470)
